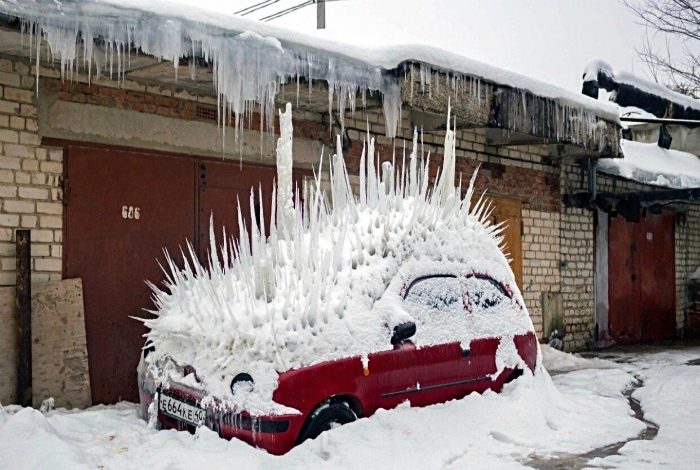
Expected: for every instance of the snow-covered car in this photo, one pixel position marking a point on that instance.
(402, 294)
(342, 390)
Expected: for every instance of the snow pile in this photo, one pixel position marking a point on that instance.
(651, 164)
(251, 61)
(557, 361)
(487, 430)
(327, 280)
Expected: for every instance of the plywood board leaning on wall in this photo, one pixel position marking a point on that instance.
(59, 348)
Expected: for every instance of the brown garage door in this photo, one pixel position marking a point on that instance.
(123, 207)
(641, 278)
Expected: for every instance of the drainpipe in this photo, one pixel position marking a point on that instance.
(23, 309)
(592, 164)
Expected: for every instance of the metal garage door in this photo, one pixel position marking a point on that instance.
(641, 278)
(122, 208)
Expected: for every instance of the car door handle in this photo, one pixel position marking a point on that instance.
(466, 352)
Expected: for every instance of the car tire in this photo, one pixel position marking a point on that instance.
(324, 417)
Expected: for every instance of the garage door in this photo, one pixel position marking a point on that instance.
(641, 278)
(123, 207)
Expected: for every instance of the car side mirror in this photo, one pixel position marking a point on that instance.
(402, 332)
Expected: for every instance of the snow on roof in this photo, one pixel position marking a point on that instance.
(651, 164)
(326, 281)
(251, 58)
(598, 69)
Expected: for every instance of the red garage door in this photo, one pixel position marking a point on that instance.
(122, 208)
(642, 279)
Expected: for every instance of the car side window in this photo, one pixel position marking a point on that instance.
(483, 294)
(434, 294)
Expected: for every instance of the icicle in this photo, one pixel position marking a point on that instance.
(285, 206)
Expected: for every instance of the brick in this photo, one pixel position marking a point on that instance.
(25, 207)
(22, 151)
(50, 221)
(57, 251)
(37, 178)
(28, 110)
(33, 193)
(6, 65)
(56, 155)
(40, 250)
(17, 122)
(42, 236)
(11, 79)
(52, 167)
(16, 94)
(32, 165)
(9, 220)
(48, 264)
(28, 81)
(7, 249)
(22, 177)
(6, 176)
(10, 163)
(8, 107)
(9, 136)
(29, 138)
(8, 191)
(21, 68)
(29, 221)
(4, 121)
(53, 208)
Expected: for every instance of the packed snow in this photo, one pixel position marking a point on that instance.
(654, 165)
(252, 60)
(582, 410)
(327, 280)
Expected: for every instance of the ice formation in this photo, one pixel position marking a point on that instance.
(326, 280)
(252, 61)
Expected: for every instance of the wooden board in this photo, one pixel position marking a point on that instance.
(59, 350)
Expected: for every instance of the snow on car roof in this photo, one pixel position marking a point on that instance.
(325, 281)
(251, 58)
(651, 164)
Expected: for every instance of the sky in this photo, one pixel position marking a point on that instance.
(551, 40)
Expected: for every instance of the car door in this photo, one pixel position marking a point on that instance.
(431, 373)
(485, 299)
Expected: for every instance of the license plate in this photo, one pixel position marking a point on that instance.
(181, 410)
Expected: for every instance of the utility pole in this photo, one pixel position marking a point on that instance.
(320, 14)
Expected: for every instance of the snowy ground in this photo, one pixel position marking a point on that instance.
(533, 423)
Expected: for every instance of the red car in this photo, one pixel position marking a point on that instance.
(339, 392)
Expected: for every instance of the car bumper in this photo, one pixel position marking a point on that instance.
(275, 434)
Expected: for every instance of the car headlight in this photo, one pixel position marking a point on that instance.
(242, 377)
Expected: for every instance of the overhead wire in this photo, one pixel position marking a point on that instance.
(287, 11)
(256, 7)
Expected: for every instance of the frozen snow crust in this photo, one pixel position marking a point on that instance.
(650, 164)
(252, 60)
(326, 282)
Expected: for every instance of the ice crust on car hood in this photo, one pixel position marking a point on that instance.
(325, 281)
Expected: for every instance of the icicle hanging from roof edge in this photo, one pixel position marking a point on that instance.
(447, 178)
(285, 203)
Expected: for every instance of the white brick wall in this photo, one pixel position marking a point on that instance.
(29, 179)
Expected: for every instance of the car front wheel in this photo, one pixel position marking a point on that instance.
(326, 417)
